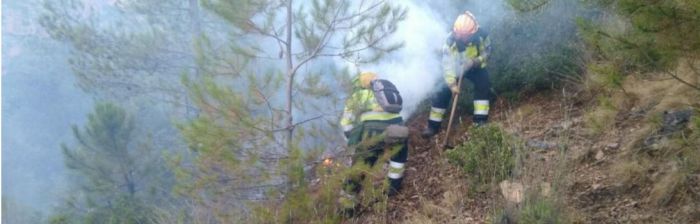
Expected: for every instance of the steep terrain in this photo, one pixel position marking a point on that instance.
(582, 158)
(438, 192)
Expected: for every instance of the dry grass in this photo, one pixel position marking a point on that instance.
(631, 172)
(667, 186)
(600, 119)
(636, 138)
(446, 209)
(669, 165)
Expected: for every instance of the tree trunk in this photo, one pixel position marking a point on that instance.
(290, 77)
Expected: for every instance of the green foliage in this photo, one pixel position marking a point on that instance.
(654, 35)
(258, 123)
(363, 28)
(129, 49)
(602, 117)
(319, 202)
(305, 203)
(607, 75)
(538, 49)
(488, 155)
(114, 173)
(236, 156)
(535, 209)
(541, 211)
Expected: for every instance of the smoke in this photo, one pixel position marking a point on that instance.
(415, 68)
(519, 39)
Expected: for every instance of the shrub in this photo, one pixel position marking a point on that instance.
(538, 49)
(602, 117)
(540, 211)
(309, 202)
(535, 210)
(489, 154)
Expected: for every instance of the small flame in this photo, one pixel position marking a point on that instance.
(327, 162)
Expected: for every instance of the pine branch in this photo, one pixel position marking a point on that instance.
(361, 13)
(321, 44)
(674, 76)
(310, 119)
(260, 31)
(648, 57)
(269, 106)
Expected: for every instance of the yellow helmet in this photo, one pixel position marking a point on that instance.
(465, 26)
(365, 78)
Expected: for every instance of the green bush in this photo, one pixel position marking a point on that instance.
(318, 203)
(540, 211)
(537, 50)
(488, 155)
(535, 210)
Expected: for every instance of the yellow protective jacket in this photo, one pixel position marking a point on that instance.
(455, 53)
(362, 105)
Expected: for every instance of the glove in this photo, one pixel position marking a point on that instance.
(454, 88)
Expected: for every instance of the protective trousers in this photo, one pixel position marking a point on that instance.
(370, 153)
(482, 92)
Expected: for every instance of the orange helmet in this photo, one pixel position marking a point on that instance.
(465, 26)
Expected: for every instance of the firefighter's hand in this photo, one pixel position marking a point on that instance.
(454, 88)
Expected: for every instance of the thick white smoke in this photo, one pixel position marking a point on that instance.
(415, 68)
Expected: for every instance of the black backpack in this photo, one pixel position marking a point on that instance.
(387, 95)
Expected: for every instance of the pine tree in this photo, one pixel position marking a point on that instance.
(116, 177)
(129, 49)
(265, 100)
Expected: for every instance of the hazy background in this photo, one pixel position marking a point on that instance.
(39, 104)
(41, 100)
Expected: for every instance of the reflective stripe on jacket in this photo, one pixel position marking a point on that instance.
(363, 105)
(454, 53)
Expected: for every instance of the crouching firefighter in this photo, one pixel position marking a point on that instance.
(465, 53)
(373, 126)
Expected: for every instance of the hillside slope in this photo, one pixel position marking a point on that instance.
(581, 163)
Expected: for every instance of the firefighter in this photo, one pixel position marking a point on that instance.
(465, 53)
(367, 117)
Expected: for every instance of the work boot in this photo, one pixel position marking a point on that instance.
(394, 186)
(428, 132)
(480, 120)
(480, 123)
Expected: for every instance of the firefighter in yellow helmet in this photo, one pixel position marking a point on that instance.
(372, 112)
(465, 53)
